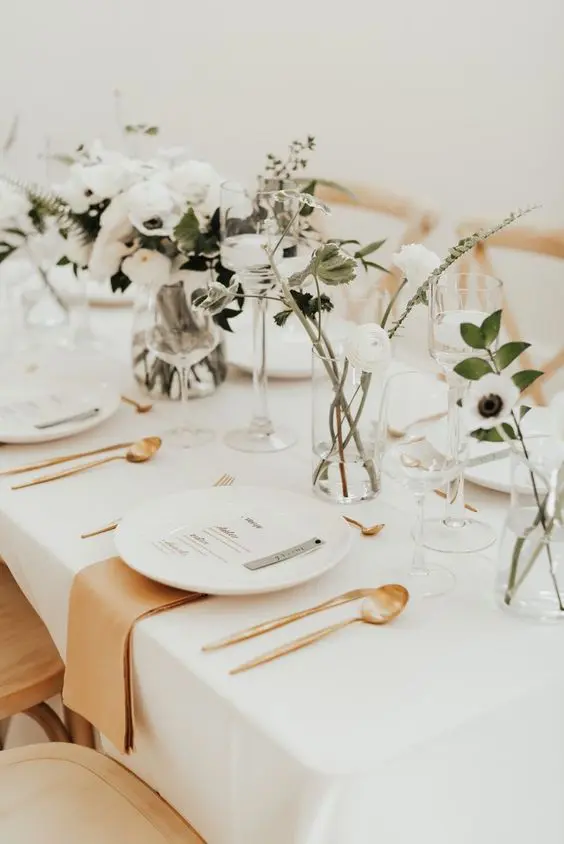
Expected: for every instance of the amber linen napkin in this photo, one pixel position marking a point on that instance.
(107, 599)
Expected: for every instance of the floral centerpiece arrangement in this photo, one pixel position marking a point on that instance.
(530, 578)
(344, 453)
(128, 215)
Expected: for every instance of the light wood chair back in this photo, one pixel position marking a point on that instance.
(532, 240)
(65, 794)
(418, 221)
(31, 670)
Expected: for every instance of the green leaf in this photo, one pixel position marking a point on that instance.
(490, 327)
(473, 368)
(369, 248)
(375, 266)
(187, 231)
(152, 130)
(507, 353)
(525, 378)
(282, 316)
(473, 335)
(491, 435)
(523, 410)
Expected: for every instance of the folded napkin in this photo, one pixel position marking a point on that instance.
(106, 601)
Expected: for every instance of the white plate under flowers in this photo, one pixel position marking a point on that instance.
(158, 538)
(496, 475)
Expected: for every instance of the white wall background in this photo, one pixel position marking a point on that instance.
(458, 103)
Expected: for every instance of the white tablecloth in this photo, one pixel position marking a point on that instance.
(445, 727)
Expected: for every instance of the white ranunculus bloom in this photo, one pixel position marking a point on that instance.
(367, 348)
(416, 263)
(152, 209)
(106, 180)
(489, 402)
(106, 258)
(13, 203)
(76, 192)
(556, 416)
(146, 267)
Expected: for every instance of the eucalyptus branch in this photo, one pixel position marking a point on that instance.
(461, 248)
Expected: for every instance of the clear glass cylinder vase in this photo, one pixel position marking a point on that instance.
(156, 377)
(345, 409)
(530, 578)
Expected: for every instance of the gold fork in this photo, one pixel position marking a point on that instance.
(224, 480)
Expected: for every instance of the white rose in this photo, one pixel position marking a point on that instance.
(367, 348)
(13, 202)
(116, 239)
(416, 263)
(195, 182)
(75, 191)
(106, 258)
(152, 209)
(146, 267)
(106, 180)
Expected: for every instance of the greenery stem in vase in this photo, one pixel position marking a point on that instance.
(493, 412)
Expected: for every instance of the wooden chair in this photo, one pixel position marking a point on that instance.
(31, 670)
(65, 794)
(419, 221)
(528, 239)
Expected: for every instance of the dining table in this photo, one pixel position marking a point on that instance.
(445, 726)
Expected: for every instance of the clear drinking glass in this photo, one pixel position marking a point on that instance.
(454, 299)
(410, 405)
(249, 222)
(180, 336)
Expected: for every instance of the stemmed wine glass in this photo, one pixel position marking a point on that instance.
(411, 403)
(249, 222)
(454, 299)
(181, 336)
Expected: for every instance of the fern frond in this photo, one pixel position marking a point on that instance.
(45, 204)
(457, 251)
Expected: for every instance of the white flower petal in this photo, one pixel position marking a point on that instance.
(146, 267)
(416, 263)
(367, 348)
(489, 402)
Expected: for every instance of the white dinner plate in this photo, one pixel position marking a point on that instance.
(288, 349)
(209, 540)
(496, 475)
(52, 388)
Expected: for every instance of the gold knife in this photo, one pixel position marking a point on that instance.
(54, 461)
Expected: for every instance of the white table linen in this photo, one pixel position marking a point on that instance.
(446, 726)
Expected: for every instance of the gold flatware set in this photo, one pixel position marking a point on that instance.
(379, 606)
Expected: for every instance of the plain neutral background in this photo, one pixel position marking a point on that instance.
(457, 104)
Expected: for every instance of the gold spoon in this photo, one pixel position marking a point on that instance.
(381, 608)
(139, 407)
(281, 621)
(398, 434)
(138, 452)
(372, 530)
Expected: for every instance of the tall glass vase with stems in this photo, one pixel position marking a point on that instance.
(181, 336)
(455, 299)
(411, 403)
(251, 221)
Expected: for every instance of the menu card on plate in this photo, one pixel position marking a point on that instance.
(243, 539)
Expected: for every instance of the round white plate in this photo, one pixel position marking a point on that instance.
(496, 475)
(37, 392)
(155, 539)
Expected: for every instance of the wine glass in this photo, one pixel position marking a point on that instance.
(181, 336)
(411, 403)
(250, 222)
(454, 299)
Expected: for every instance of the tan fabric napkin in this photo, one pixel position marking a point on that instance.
(106, 601)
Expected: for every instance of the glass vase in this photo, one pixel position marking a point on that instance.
(530, 579)
(345, 411)
(156, 377)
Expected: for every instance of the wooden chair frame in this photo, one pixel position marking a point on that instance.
(529, 239)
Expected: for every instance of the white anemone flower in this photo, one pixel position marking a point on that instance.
(416, 263)
(367, 348)
(146, 267)
(152, 209)
(489, 401)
